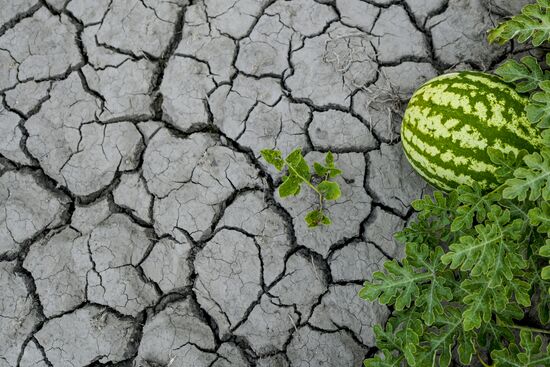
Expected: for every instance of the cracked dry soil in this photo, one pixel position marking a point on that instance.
(138, 225)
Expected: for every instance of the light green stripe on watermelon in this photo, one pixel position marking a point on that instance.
(448, 157)
(467, 136)
(447, 166)
(438, 176)
(496, 104)
(452, 120)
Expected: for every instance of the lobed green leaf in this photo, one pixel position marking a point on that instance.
(526, 75)
(529, 353)
(440, 341)
(492, 251)
(530, 182)
(540, 286)
(440, 205)
(538, 110)
(545, 274)
(507, 163)
(546, 137)
(421, 277)
(473, 204)
(539, 217)
(532, 24)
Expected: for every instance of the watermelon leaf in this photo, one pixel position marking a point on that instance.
(474, 204)
(399, 285)
(546, 138)
(507, 163)
(465, 299)
(430, 233)
(389, 360)
(402, 283)
(538, 111)
(545, 250)
(441, 205)
(545, 277)
(403, 334)
(526, 75)
(441, 340)
(532, 24)
(537, 282)
(532, 181)
(492, 251)
(528, 353)
(539, 217)
(483, 299)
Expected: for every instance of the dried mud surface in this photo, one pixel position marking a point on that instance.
(138, 224)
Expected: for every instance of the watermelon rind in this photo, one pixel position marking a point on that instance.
(453, 119)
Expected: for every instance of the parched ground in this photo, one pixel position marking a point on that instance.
(138, 224)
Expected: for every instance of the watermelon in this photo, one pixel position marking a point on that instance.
(451, 121)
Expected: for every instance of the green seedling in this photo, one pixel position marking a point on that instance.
(298, 172)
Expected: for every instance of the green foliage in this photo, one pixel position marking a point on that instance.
(507, 163)
(274, 157)
(298, 172)
(472, 272)
(531, 181)
(530, 353)
(525, 75)
(330, 190)
(538, 111)
(532, 24)
(316, 217)
(421, 277)
(475, 281)
(545, 252)
(528, 77)
(473, 204)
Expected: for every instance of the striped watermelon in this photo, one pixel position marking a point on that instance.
(452, 120)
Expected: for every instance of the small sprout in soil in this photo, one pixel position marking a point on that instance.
(298, 172)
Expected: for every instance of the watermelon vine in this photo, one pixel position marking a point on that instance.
(474, 286)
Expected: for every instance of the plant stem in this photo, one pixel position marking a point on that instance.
(309, 184)
(526, 328)
(481, 361)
